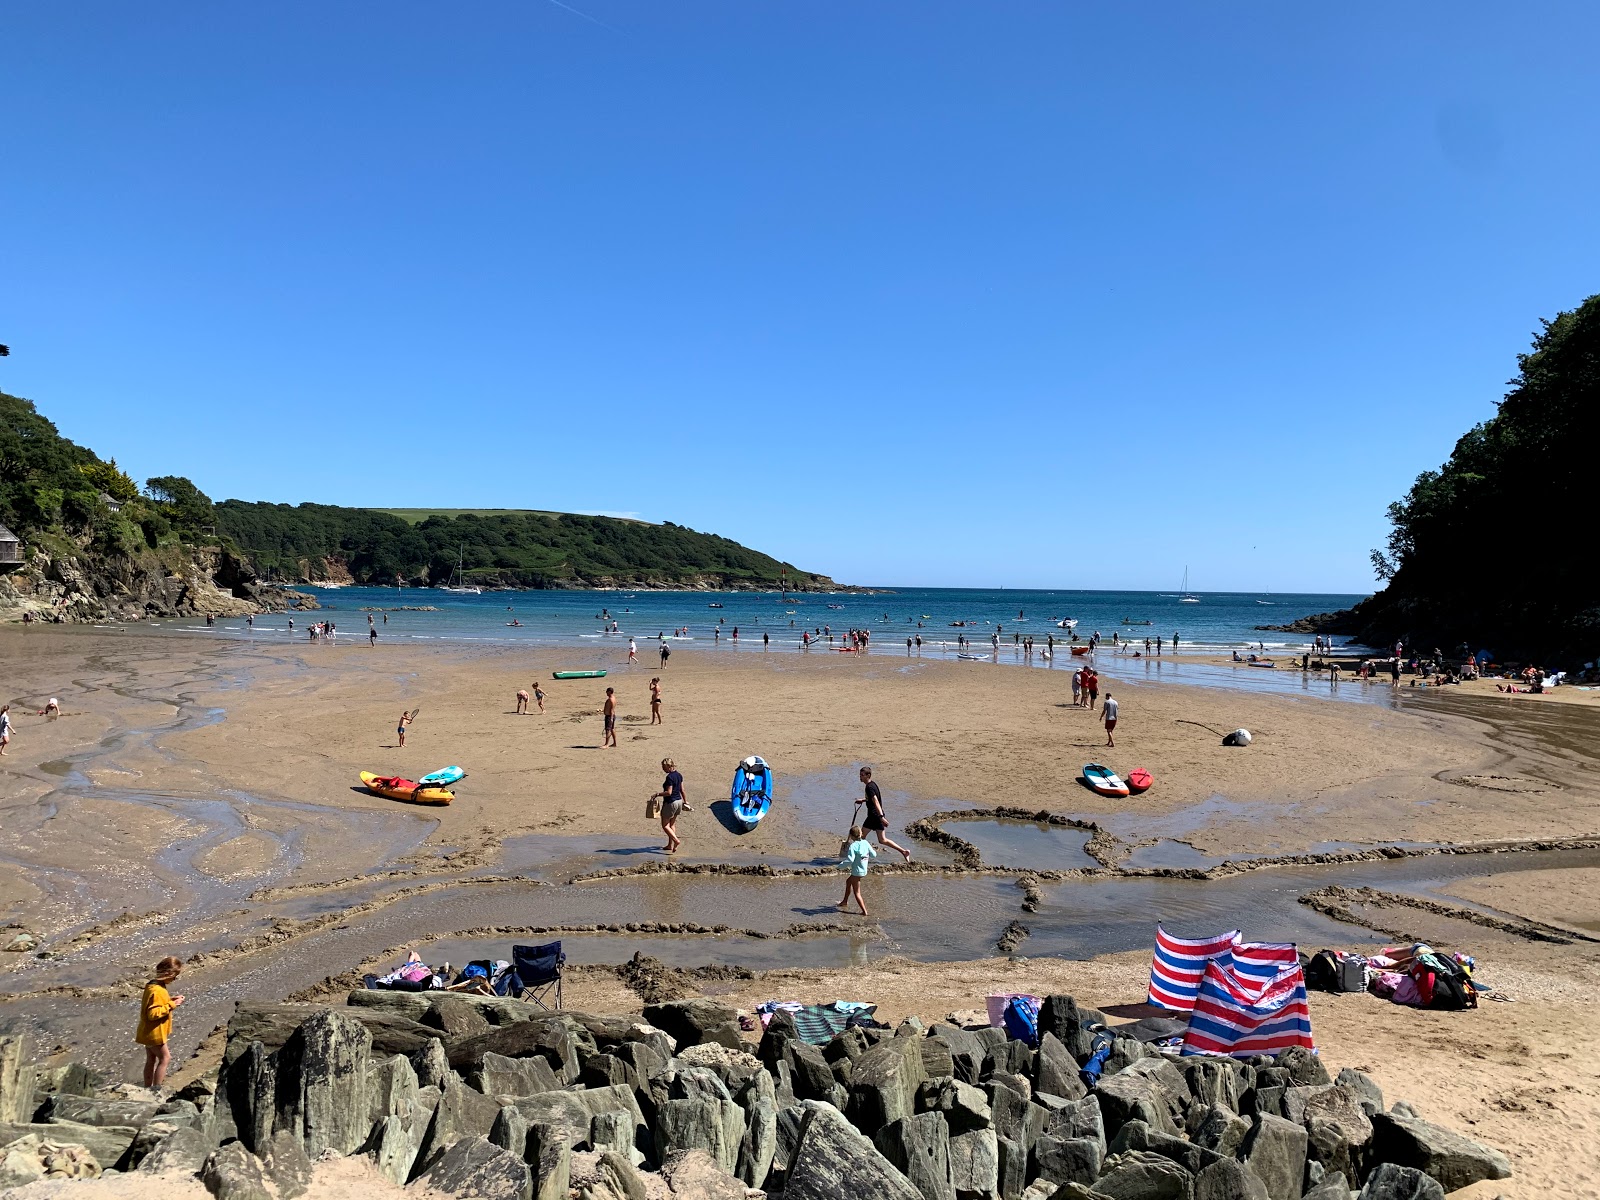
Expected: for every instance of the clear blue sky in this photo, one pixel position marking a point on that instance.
(1037, 294)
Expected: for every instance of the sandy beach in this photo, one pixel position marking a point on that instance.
(200, 797)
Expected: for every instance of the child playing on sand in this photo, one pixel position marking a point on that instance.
(538, 696)
(155, 1020)
(858, 854)
(5, 727)
(400, 730)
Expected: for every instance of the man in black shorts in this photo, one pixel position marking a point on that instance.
(610, 714)
(876, 822)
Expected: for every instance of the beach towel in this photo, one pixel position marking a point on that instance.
(1251, 1001)
(1179, 964)
(819, 1023)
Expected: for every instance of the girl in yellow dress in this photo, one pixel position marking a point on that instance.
(155, 1020)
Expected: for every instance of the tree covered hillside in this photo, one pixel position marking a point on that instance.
(1496, 547)
(517, 549)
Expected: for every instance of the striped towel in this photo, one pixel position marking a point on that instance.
(1180, 963)
(1252, 1001)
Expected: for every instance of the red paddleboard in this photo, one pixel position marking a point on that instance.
(1139, 780)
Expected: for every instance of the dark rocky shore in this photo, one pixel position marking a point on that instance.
(500, 1099)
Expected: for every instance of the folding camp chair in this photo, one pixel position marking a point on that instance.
(539, 969)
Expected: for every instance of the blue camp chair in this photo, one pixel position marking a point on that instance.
(539, 970)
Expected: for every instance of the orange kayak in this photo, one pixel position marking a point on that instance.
(396, 788)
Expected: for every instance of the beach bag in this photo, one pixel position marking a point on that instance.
(652, 809)
(1332, 971)
(1441, 983)
(416, 972)
(1021, 1020)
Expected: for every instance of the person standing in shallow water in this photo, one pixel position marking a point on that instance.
(155, 1020)
(876, 822)
(858, 856)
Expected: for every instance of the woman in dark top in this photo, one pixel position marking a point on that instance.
(876, 822)
(672, 799)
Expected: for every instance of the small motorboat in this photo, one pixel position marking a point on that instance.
(1067, 623)
(1080, 651)
(394, 787)
(752, 791)
(713, 606)
(1103, 780)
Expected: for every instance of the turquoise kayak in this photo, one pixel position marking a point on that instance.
(442, 778)
(752, 791)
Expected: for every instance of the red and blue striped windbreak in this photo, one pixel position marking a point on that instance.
(1180, 963)
(1251, 1001)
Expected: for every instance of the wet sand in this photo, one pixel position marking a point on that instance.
(199, 797)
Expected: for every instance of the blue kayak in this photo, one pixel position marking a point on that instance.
(443, 778)
(752, 791)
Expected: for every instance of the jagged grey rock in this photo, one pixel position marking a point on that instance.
(392, 1146)
(287, 1165)
(1275, 1150)
(1365, 1085)
(937, 1062)
(692, 1173)
(1213, 1081)
(1060, 1017)
(1303, 1066)
(462, 1113)
(1055, 1071)
(831, 1159)
(1221, 1130)
(455, 1017)
(975, 1164)
(432, 1065)
(607, 1131)
(1391, 1181)
(16, 1080)
(1136, 1135)
(966, 1051)
(695, 1083)
(1067, 1159)
(549, 1036)
(107, 1143)
(1013, 1161)
(549, 1161)
(713, 1125)
(759, 1144)
(474, 1166)
(621, 1176)
(964, 1107)
(1453, 1160)
(233, 1173)
(1228, 1179)
(1130, 1097)
(810, 1073)
(690, 1022)
(883, 1084)
(497, 1075)
(1296, 1098)
(919, 1148)
(1079, 1119)
(1141, 1175)
(97, 1110)
(184, 1151)
(1333, 1187)
(1339, 1130)
(392, 1088)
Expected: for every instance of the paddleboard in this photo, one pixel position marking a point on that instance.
(443, 778)
(577, 674)
(751, 795)
(1104, 780)
(1139, 780)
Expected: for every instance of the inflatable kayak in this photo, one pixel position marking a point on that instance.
(578, 674)
(1104, 780)
(1139, 780)
(751, 796)
(443, 777)
(409, 790)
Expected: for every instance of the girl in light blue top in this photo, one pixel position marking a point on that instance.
(857, 855)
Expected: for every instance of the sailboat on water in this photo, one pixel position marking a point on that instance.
(1187, 597)
(461, 589)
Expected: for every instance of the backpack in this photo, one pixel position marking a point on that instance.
(1021, 1020)
(1334, 971)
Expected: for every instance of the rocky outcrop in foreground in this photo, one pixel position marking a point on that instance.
(499, 1099)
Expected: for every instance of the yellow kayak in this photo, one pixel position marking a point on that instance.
(396, 788)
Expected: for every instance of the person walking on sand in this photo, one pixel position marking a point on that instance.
(666, 653)
(405, 721)
(155, 1020)
(5, 727)
(1077, 688)
(858, 854)
(633, 651)
(610, 714)
(1109, 712)
(522, 701)
(876, 822)
(673, 802)
(655, 701)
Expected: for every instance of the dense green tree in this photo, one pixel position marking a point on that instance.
(1493, 548)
